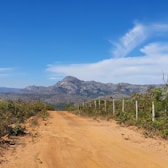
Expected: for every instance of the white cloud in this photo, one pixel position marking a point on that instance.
(147, 68)
(155, 49)
(4, 71)
(129, 41)
(160, 28)
(138, 70)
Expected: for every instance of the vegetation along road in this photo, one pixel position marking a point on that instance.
(69, 141)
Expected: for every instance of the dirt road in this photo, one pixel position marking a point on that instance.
(69, 141)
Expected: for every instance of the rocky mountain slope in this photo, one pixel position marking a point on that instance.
(73, 90)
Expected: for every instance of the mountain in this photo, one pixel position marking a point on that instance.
(73, 90)
(7, 90)
(90, 89)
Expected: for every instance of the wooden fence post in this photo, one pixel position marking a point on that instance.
(105, 105)
(99, 103)
(95, 104)
(122, 105)
(113, 106)
(79, 110)
(153, 112)
(136, 106)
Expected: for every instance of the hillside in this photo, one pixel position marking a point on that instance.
(73, 90)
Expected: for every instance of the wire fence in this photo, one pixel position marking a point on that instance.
(110, 108)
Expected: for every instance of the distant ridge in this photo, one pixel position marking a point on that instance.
(74, 90)
(8, 90)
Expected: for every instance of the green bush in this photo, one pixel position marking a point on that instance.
(159, 96)
(165, 133)
(17, 130)
(16, 112)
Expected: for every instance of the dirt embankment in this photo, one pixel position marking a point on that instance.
(69, 141)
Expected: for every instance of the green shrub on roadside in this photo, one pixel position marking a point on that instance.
(15, 112)
(158, 96)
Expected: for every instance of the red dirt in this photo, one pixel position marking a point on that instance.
(69, 141)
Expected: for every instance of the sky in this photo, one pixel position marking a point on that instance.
(108, 41)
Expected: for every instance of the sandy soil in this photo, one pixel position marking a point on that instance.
(69, 141)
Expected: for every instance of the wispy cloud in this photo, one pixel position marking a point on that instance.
(129, 41)
(156, 49)
(136, 36)
(4, 71)
(160, 28)
(147, 68)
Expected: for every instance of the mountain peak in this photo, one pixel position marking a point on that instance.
(70, 79)
(71, 89)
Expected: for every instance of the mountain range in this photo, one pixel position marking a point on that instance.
(73, 90)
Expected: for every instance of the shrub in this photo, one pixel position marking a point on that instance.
(16, 130)
(15, 112)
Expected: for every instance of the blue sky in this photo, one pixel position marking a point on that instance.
(42, 41)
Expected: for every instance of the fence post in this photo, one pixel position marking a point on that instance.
(136, 106)
(113, 106)
(105, 105)
(79, 110)
(122, 105)
(95, 103)
(153, 112)
(99, 103)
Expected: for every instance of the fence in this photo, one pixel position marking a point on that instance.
(112, 107)
(147, 110)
